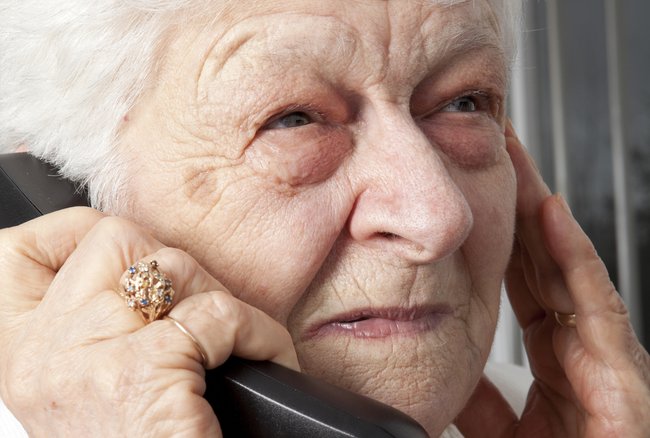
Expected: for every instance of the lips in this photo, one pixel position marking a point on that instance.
(381, 323)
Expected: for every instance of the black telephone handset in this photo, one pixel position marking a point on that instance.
(251, 399)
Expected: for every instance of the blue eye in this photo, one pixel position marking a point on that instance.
(292, 120)
(464, 104)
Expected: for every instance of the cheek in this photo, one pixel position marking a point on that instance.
(469, 141)
(299, 156)
(270, 245)
(491, 195)
(486, 251)
(491, 240)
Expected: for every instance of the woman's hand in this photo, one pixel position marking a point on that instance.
(592, 380)
(74, 361)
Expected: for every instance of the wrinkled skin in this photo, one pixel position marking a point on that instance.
(339, 186)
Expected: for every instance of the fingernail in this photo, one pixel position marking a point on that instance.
(560, 200)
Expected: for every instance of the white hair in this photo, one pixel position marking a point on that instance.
(71, 70)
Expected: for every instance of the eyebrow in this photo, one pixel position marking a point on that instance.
(469, 41)
(459, 38)
(471, 38)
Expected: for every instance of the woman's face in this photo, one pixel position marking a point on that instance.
(342, 166)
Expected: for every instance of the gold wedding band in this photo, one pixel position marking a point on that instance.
(566, 319)
(147, 290)
(196, 343)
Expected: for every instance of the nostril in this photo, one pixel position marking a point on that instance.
(387, 235)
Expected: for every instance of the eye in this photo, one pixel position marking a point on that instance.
(475, 101)
(464, 104)
(295, 119)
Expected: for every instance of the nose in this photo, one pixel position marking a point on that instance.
(406, 200)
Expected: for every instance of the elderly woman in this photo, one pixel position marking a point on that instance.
(329, 185)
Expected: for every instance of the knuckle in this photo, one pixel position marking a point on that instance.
(232, 316)
(120, 235)
(226, 308)
(87, 211)
(115, 226)
(172, 254)
(182, 261)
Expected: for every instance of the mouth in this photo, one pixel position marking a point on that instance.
(381, 323)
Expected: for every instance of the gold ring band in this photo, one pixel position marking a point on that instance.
(196, 343)
(566, 319)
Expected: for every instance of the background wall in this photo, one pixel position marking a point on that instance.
(580, 101)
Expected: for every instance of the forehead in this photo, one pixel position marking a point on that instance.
(392, 36)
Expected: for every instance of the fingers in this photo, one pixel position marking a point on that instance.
(114, 244)
(89, 281)
(542, 274)
(50, 239)
(531, 189)
(525, 304)
(601, 316)
(584, 272)
(554, 258)
(30, 256)
(223, 326)
(603, 345)
(597, 369)
(33, 252)
(101, 259)
(82, 315)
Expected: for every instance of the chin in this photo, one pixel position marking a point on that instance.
(428, 371)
